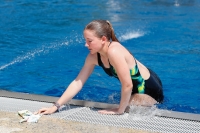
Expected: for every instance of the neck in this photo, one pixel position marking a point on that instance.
(104, 50)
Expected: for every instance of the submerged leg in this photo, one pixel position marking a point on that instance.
(142, 100)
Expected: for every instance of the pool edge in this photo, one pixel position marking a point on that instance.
(51, 99)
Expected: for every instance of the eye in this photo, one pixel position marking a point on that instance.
(88, 41)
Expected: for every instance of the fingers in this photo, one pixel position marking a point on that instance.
(42, 111)
(110, 112)
(107, 112)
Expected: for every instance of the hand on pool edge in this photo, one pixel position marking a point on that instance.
(46, 111)
(114, 111)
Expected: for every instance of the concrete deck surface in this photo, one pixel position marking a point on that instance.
(9, 123)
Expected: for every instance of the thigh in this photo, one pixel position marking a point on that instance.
(142, 99)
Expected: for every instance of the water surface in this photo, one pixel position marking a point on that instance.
(42, 46)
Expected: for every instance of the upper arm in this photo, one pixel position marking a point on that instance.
(118, 61)
(87, 69)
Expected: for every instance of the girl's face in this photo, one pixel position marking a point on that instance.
(93, 43)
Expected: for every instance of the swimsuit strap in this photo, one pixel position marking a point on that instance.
(108, 59)
(107, 70)
(109, 44)
(99, 59)
(135, 61)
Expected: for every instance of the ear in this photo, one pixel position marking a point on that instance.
(103, 39)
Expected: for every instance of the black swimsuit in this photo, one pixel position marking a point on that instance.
(151, 86)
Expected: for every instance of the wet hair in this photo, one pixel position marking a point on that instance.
(102, 28)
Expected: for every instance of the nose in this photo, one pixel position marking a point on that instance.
(86, 45)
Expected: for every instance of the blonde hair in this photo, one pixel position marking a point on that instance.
(102, 28)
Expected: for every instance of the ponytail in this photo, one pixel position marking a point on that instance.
(113, 37)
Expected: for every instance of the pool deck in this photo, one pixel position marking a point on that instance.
(82, 117)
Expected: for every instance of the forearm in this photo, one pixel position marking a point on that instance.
(70, 92)
(125, 97)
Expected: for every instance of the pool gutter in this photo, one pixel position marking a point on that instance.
(51, 99)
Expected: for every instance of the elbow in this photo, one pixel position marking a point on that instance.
(128, 87)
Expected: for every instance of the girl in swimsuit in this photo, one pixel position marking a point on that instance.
(139, 85)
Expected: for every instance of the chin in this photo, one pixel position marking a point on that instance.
(91, 52)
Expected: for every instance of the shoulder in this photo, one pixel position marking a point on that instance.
(115, 48)
(91, 59)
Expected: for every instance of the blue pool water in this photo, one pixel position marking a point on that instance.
(42, 46)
